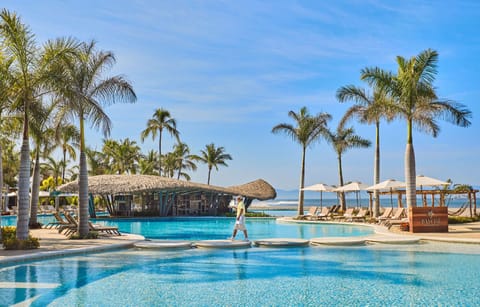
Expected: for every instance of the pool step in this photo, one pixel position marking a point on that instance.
(164, 244)
(342, 241)
(223, 244)
(280, 242)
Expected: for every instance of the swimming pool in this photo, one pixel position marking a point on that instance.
(212, 228)
(375, 275)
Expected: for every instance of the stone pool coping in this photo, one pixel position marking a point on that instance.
(53, 244)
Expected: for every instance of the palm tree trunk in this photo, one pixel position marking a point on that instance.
(302, 183)
(83, 197)
(1, 189)
(64, 164)
(340, 175)
(410, 179)
(35, 188)
(160, 153)
(376, 170)
(23, 188)
(82, 186)
(209, 171)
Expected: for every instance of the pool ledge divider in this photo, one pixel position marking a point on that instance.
(65, 252)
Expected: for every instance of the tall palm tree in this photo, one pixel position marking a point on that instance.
(84, 95)
(5, 103)
(417, 102)
(148, 163)
(68, 138)
(341, 140)
(35, 70)
(54, 168)
(184, 158)
(96, 162)
(122, 156)
(43, 136)
(369, 109)
(213, 157)
(161, 120)
(307, 130)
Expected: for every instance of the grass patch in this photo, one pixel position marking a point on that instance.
(462, 219)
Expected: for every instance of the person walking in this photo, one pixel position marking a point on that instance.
(240, 221)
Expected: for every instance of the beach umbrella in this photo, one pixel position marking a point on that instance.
(355, 186)
(422, 181)
(387, 185)
(428, 181)
(319, 187)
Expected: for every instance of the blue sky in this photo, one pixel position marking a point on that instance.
(228, 71)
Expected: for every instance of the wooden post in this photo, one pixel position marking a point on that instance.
(475, 202)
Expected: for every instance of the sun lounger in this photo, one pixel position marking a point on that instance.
(323, 214)
(312, 211)
(346, 215)
(59, 222)
(106, 229)
(361, 216)
(397, 218)
(385, 215)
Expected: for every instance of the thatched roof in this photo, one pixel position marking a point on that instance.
(122, 184)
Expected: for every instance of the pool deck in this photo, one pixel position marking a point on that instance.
(53, 244)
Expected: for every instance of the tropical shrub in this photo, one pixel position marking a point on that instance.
(10, 241)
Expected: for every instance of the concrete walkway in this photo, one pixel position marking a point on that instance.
(54, 244)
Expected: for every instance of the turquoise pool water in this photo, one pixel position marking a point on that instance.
(374, 275)
(213, 228)
(221, 228)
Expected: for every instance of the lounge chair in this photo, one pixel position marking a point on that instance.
(59, 222)
(397, 218)
(324, 213)
(310, 214)
(107, 229)
(361, 216)
(347, 214)
(385, 215)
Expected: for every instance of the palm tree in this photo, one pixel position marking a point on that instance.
(84, 95)
(213, 157)
(43, 135)
(68, 138)
(161, 120)
(308, 129)
(185, 159)
(148, 162)
(369, 110)
(122, 156)
(54, 168)
(416, 101)
(5, 102)
(35, 69)
(342, 140)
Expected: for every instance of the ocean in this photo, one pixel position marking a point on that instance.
(285, 203)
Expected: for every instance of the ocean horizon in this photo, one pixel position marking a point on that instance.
(362, 202)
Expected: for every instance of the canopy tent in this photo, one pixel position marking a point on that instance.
(319, 187)
(355, 186)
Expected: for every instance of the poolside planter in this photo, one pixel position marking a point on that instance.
(428, 219)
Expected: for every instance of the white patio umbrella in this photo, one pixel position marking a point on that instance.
(428, 181)
(355, 186)
(422, 181)
(319, 187)
(387, 185)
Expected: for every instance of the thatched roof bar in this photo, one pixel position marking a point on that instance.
(129, 184)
